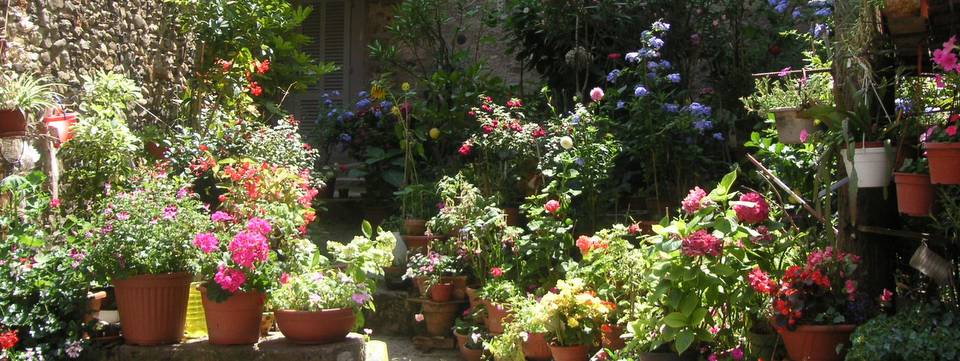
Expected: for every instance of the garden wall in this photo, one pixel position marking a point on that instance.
(67, 39)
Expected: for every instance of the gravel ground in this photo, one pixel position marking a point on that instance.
(401, 349)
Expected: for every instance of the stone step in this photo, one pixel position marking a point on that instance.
(272, 348)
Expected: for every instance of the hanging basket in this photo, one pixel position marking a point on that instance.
(791, 124)
(872, 165)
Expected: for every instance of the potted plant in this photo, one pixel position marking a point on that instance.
(816, 306)
(785, 102)
(418, 201)
(573, 315)
(496, 295)
(428, 270)
(22, 95)
(470, 337)
(141, 242)
(867, 156)
(914, 190)
(943, 152)
(318, 307)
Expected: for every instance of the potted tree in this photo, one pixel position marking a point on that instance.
(914, 190)
(319, 307)
(786, 103)
(573, 316)
(816, 306)
(141, 242)
(22, 95)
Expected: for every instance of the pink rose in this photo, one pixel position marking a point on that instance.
(552, 206)
(596, 94)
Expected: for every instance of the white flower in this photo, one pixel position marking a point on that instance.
(566, 142)
(475, 337)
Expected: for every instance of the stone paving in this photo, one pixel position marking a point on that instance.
(401, 349)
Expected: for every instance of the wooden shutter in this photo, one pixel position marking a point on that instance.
(327, 26)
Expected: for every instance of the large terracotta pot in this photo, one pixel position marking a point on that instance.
(473, 296)
(496, 315)
(610, 337)
(417, 244)
(536, 348)
(816, 343)
(570, 353)
(439, 317)
(914, 194)
(441, 292)
(459, 286)
(13, 123)
(466, 353)
(414, 227)
(235, 321)
(318, 327)
(944, 162)
(153, 308)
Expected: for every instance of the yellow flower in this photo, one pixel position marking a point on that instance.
(405, 86)
(434, 133)
(396, 112)
(377, 92)
(572, 322)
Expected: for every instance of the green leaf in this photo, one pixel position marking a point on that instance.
(367, 229)
(684, 340)
(675, 320)
(698, 315)
(689, 303)
(727, 182)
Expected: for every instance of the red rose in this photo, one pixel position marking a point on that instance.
(465, 149)
(496, 272)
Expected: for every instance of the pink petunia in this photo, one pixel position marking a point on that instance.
(804, 135)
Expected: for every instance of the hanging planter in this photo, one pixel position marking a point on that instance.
(914, 194)
(13, 123)
(792, 124)
(944, 162)
(872, 162)
(61, 123)
(817, 343)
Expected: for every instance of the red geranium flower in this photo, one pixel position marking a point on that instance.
(465, 149)
(263, 66)
(8, 339)
(255, 89)
(496, 272)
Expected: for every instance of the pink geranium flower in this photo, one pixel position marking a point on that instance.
(753, 208)
(229, 279)
(207, 242)
(220, 216)
(259, 225)
(248, 248)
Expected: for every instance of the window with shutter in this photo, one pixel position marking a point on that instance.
(328, 26)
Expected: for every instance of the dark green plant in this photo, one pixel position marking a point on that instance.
(924, 332)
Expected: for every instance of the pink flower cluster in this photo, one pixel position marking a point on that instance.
(229, 279)
(761, 282)
(207, 242)
(702, 243)
(945, 57)
(248, 248)
(696, 200)
(752, 209)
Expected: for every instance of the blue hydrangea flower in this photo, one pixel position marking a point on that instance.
(575, 120)
(362, 94)
(819, 30)
(703, 125)
(674, 78)
(652, 65)
(648, 53)
(336, 93)
(632, 57)
(613, 75)
(652, 75)
(903, 105)
(666, 64)
(671, 108)
(660, 26)
(346, 138)
(718, 136)
(378, 114)
(580, 161)
(656, 43)
(823, 12)
(699, 110)
(796, 13)
(779, 6)
(621, 104)
(386, 105)
(328, 102)
(348, 115)
(363, 104)
(640, 91)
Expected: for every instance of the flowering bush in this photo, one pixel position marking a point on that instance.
(573, 314)
(273, 192)
(237, 256)
(147, 230)
(823, 291)
(699, 287)
(318, 291)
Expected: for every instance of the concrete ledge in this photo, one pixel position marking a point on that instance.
(273, 348)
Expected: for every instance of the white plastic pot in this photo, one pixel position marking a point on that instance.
(872, 166)
(791, 123)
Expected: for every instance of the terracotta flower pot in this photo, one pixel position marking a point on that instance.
(610, 337)
(816, 343)
(235, 321)
(441, 292)
(417, 244)
(94, 303)
(153, 308)
(318, 327)
(472, 296)
(536, 348)
(944, 162)
(570, 353)
(439, 317)
(414, 227)
(466, 353)
(496, 315)
(13, 123)
(914, 194)
(459, 286)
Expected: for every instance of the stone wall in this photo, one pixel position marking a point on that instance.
(68, 39)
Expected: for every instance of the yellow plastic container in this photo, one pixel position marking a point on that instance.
(196, 326)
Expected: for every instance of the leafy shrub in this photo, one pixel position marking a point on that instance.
(923, 332)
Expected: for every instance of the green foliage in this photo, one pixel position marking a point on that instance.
(815, 89)
(26, 92)
(104, 152)
(318, 291)
(146, 230)
(365, 256)
(23, 210)
(919, 332)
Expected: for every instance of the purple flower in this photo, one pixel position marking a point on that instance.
(640, 91)
(363, 104)
(699, 110)
(820, 30)
(718, 136)
(183, 193)
(660, 26)
(221, 216)
(703, 125)
(170, 212)
(656, 43)
(613, 75)
(671, 108)
(632, 57)
(621, 104)
(359, 298)
(123, 216)
(346, 138)
(666, 64)
(674, 78)
(652, 65)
